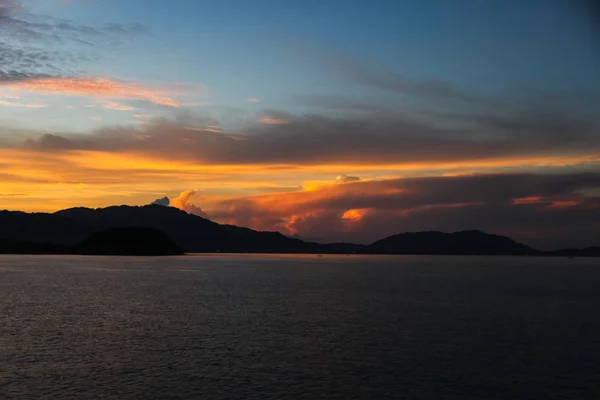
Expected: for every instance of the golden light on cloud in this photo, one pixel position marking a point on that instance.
(355, 215)
(95, 88)
(183, 199)
(56, 179)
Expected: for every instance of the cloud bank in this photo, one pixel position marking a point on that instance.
(543, 210)
(538, 137)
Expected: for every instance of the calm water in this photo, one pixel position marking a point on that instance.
(302, 327)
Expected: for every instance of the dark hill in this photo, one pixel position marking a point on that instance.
(194, 234)
(41, 227)
(129, 241)
(459, 243)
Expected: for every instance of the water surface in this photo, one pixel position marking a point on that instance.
(302, 327)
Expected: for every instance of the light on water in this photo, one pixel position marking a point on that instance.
(306, 327)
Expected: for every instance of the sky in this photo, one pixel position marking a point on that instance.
(327, 120)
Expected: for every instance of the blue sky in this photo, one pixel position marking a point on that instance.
(281, 51)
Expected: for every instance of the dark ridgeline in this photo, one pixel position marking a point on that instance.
(194, 234)
(169, 231)
(67, 228)
(472, 242)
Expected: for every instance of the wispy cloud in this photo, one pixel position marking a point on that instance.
(16, 17)
(365, 73)
(33, 46)
(94, 88)
(113, 105)
(273, 121)
(21, 105)
(44, 54)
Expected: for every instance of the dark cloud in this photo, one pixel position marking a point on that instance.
(542, 210)
(395, 82)
(363, 73)
(14, 16)
(162, 202)
(13, 76)
(317, 139)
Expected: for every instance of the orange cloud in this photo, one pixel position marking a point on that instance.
(376, 208)
(528, 200)
(292, 224)
(355, 215)
(565, 203)
(183, 202)
(97, 88)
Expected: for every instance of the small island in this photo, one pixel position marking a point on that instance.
(129, 241)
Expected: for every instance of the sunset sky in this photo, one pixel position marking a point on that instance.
(332, 120)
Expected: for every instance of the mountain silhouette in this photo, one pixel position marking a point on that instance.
(71, 230)
(193, 233)
(42, 227)
(471, 242)
(190, 232)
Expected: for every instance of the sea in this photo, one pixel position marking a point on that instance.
(299, 327)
